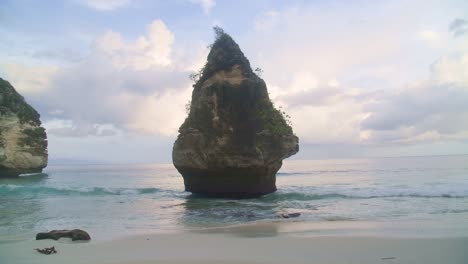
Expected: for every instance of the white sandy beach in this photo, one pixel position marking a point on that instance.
(249, 244)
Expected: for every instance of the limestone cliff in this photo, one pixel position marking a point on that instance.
(234, 140)
(23, 142)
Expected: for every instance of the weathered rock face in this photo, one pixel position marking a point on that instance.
(233, 141)
(75, 234)
(23, 142)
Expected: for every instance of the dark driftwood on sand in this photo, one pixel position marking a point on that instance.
(47, 251)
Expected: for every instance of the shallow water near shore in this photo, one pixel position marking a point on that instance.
(420, 196)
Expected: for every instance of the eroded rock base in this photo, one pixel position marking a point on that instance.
(12, 173)
(236, 183)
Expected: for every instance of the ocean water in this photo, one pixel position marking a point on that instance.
(416, 195)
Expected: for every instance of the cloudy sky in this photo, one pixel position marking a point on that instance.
(358, 78)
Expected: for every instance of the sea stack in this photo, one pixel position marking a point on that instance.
(234, 140)
(23, 142)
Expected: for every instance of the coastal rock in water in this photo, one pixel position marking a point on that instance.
(75, 234)
(23, 142)
(290, 215)
(234, 140)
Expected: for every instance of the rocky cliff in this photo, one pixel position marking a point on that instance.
(234, 140)
(23, 142)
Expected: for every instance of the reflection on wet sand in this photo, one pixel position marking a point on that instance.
(253, 230)
(199, 212)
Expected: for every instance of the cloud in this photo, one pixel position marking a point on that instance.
(159, 113)
(346, 74)
(29, 80)
(267, 21)
(329, 123)
(433, 38)
(322, 113)
(451, 69)
(134, 101)
(66, 55)
(364, 82)
(68, 128)
(124, 86)
(435, 109)
(458, 27)
(145, 52)
(104, 5)
(206, 5)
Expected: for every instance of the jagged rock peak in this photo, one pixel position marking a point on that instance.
(11, 102)
(224, 54)
(233, 140)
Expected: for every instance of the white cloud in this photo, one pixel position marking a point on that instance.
(422, 137)
(69, 128)
(452, 69)
(347, 74)
(432, 110)
(384, 94)
(28, 80)
(105, 5)
(157, 113)
(333, 83)
(122, 87)
(332, 123)
(267, 21)
(433, 38)
(153, 49)
(206, 5)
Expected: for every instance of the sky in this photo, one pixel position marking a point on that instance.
(359, 79)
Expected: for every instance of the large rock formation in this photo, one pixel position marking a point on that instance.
(234, 140)
(23, 142)
(75, 234)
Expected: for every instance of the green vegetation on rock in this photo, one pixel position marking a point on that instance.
(250, 103)
(233, 140)
(224, 54)
(20, 133)
(34, 139)
(274, 120)
(11, 102)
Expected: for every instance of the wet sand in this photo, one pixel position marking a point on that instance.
(260, 243)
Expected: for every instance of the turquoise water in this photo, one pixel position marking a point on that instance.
(118, 200)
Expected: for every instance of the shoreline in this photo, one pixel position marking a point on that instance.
(412, 229)
(257, 243)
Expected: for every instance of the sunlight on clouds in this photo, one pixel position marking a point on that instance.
(452, 69)
(134, 87)
(206, 5)
(422, 137)
(333, 83)
(302, 81)
(145, 52)
(380, 96)
(105, 5)
(69, 128)
(28, 79)
(433, 38)
(332, 123)
(157, 113)
(344, 73)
